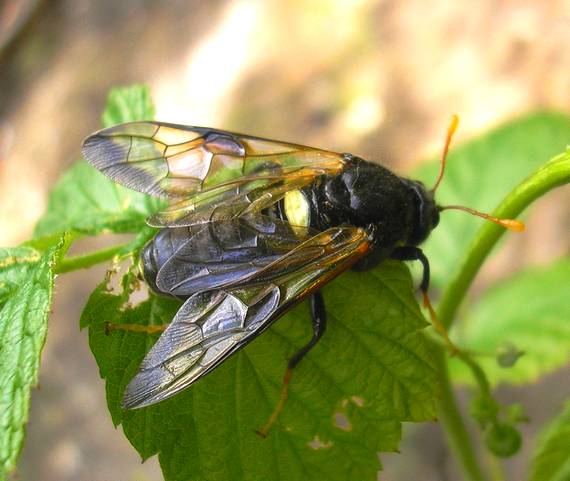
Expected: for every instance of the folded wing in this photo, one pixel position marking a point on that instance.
(212, 325)
(183, 261)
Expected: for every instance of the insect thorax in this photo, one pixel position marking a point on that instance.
(396, 211)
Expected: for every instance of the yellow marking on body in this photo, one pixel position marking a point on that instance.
(296, 208)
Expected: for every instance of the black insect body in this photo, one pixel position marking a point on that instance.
(254, 226)
(394, 211)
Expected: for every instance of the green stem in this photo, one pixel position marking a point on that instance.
(87, 260)
(477, 371)
(553, 174)
(495, 467)
(456, 433)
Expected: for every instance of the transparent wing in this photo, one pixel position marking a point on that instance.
(219, 254)
(212, 325)
(223, 203)
(204, 167)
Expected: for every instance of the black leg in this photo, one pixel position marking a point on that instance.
(412, 253)
(319, 318)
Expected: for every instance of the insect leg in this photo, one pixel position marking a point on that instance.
(412, 253)
(319, 318)
(134, 328)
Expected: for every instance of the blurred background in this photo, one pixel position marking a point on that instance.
(376, 78)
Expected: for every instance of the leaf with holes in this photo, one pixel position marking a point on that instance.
(86, 201)
(371, 371)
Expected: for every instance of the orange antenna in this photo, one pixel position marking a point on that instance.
(510, 224)
(450, 132)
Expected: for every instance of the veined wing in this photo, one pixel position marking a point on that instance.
(203, 166)
(184, 261)
(212, 325)
(226, 201)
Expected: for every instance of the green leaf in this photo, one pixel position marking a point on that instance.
(479, 173)
(128, 104)
(551, 460)
(372, 371)
(26, 282)
(84, 200)
(529, 311)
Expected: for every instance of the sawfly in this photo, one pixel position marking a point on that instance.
(253, 227)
